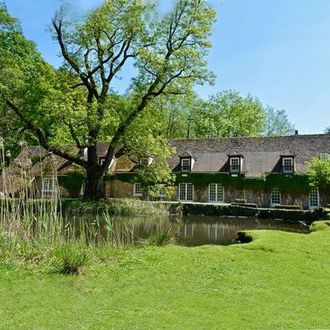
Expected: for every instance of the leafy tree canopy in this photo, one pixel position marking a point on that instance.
(319, 172)
(226, 114)
(78, 104)
(277, 123)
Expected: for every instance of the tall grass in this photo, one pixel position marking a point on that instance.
(31, 214)
(26, 213)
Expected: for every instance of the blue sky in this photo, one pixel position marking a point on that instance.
(277, 50)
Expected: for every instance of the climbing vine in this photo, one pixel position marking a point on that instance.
(297, 183)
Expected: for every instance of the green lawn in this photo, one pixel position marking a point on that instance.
(280, 280)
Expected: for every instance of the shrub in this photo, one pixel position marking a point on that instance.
(115, 206)
(243, 237)
(289, 207)
(320, 225)
(69, 259)
(235, 210)
(319, 173)
(160, 239)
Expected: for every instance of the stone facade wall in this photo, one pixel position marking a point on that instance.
(120, 189)
(324, 199)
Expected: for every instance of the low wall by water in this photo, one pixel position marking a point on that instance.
(136, 207)
(234, 210)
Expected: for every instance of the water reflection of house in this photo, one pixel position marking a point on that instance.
(266, 171)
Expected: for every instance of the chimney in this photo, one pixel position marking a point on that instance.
(296, 132)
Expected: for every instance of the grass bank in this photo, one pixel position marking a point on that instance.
(279, 280)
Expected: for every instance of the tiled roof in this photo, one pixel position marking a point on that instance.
(261, 154)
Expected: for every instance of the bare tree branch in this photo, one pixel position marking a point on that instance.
(41, 137)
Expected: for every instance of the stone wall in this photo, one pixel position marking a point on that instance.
(120, 189)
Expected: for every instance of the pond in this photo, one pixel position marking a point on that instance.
(187, 231)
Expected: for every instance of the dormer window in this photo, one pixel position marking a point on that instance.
(185, 164)
(187, 161)
(145, 161)
(235, 164)
(287, 165)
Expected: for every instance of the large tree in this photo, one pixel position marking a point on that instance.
(226, 114)
(277, 123)
(79, 103)
(319, 173)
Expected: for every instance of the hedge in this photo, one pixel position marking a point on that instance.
(235, 210)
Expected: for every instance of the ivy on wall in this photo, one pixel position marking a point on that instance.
(72, 182)
(297, 183)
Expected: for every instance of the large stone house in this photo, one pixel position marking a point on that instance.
(266, 171)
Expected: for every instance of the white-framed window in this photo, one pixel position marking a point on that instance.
(49, 185)
(234, 164)
(185, 164)
(314, 198)
(287, 165)
(216, 193)
(186, 192)
(137, 189)
(275, 197)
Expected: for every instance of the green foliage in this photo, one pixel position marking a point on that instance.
(319, 173)
(277, 123)
(320, 225)
(21, 70)
(227, 114)
(120, 206)
(237, 210)
(72, 182)
(160, 239)
(69, 259)
(236, 283)
(202, 180)
(297, 183)
(168, 52)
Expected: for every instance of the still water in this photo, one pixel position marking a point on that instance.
(187, 231)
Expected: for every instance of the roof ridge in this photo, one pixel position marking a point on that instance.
(250, 137)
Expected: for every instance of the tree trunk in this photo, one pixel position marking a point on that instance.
(94, 176)
(94, 184)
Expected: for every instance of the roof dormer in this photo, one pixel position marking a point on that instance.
(287, 162)
(235, 164)
(187, 161)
